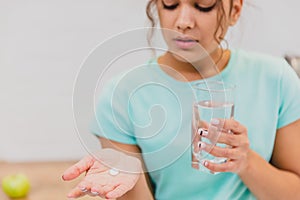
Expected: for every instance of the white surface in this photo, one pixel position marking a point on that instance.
(44, 42)
(269, 26)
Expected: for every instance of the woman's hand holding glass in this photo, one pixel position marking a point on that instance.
(101, 180)
(235, 136)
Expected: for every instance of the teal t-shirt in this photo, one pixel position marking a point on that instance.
(146, 107)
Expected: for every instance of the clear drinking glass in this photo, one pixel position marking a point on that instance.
(213, 100)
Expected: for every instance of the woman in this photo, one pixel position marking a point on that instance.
(262, 161)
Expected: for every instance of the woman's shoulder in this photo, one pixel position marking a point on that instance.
(258, 57)
(260, 62)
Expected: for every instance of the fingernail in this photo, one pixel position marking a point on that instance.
(201, 145)
(202, 162)
(83, 189)
(94, 192)
(202, 131)
(215, 121)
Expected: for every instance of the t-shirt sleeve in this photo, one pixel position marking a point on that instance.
(289, 110)
(111, 118)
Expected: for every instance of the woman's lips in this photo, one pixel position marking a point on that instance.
(184, 43)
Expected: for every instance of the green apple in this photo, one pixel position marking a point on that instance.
(16, 185)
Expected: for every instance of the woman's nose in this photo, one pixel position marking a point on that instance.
(185, 19)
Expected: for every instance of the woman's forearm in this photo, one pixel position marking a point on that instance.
(268, 182)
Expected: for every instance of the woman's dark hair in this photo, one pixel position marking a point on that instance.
(220, 18)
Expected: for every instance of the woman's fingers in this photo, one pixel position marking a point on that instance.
(109, 191)
(85, 185)
(101, 190)
(228, 132)
(80, 167)
(223, 167)
(235, 147)
(117, 192)
(75, 193)
(79, 192)
(233, 139)
(234, 126)
(222, 152)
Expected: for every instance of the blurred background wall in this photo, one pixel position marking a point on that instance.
(43, 43)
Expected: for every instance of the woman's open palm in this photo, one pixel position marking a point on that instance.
(109, 174)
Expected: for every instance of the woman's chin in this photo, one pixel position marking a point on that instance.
(190, 56)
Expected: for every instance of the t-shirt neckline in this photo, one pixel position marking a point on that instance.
(220, 76)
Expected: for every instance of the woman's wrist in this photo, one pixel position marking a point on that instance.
(250, 162)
